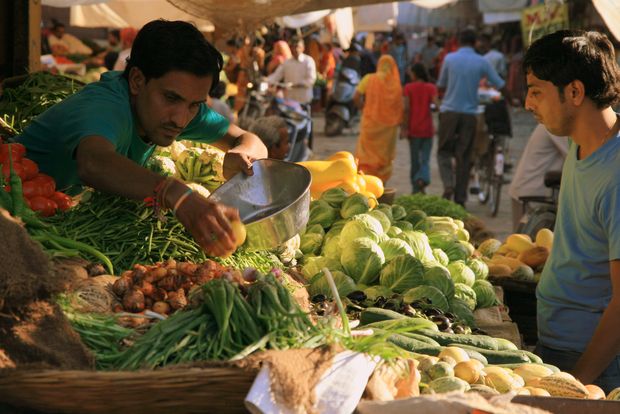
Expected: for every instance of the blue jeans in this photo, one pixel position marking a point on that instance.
(420, 150)
(566, 360)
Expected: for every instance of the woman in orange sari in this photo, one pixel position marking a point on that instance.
(381, 93)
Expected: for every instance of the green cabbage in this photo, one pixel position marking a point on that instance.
(461, 273)
(373, 292)
(431, 293)
(462, 312)
(466, 294)
(381, 218)
(393, 231)
(470, 247)
(362, 259)
(403, 225)
(417, 218)
(314, 265)
(354, 204)
(362, 225)
(453, 248)
(335, 230)
(324, 214)
(485, 294)
(479, 267)
(395, 247)
(331, 248)
(419, 243)
(315, 228)
(398, 212)
(439, 277)
(402, 273)
(441, 257)
(334, 196)
(385, 209)
(320, 285)
(311, 243)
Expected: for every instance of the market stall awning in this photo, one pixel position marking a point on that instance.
(610, 12)
(131, 13)
(124, 13)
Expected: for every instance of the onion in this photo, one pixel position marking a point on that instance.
(133, 301)
(121, 286)
(161, 307)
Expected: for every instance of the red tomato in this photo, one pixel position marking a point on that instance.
(43, 205)
(17, 152)
(48, 183)
(64, 201)
(30, 168)
(17, 167)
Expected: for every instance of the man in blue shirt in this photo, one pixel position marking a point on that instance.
(573, 82)
(103, 135)
(460, 76)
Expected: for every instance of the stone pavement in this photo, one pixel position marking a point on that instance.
(523, 124)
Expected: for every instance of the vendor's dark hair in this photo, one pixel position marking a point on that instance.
(568, 55)
(162, 46)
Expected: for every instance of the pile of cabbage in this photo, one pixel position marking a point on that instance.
(388, 250)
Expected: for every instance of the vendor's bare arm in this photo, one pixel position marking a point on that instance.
(245, 148)
(605, 343)
(100, 167)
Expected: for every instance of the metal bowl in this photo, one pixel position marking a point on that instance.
(273, 203)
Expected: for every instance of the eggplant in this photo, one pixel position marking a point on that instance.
(357, 296)
(442, 322)
(319, 298)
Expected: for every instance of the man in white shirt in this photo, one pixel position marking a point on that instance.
(543, 152)
(63, 43)
(299, 70)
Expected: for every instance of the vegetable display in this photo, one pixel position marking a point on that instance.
(128, 233)
(21, 104)
(38, 190)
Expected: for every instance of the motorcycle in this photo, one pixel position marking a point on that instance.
(263, 103)
(341, 111)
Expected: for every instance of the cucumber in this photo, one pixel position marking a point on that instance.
(370, 315)
(478, 341)
(533, 357)
(505, 345)
(499, 357)
(413, 345)
(405, 324)
(420, 338)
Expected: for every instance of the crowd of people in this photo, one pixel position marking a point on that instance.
(400, 85)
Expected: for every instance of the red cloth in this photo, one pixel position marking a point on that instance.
(420, 96)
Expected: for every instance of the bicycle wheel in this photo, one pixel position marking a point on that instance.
(495, 194)
(485, 175)
(540, 218)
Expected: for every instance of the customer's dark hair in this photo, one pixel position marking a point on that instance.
(467, 37)
(568, 55)
(420, 72)
(162, 46)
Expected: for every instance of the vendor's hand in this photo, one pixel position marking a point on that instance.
(235, 161)
(209, 224)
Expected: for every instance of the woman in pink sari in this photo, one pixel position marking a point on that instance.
(281, 52)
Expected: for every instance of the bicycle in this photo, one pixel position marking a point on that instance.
(489, 174)
(490, 165)
(543, 216)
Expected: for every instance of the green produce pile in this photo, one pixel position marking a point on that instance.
(128, 233)
(231, 322)
(392, 251)
(41, 90)
(191, 162)
(432, 205)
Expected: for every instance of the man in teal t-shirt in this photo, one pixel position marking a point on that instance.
(103, 135)
(573, 82)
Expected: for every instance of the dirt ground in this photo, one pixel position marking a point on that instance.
(523, 124)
